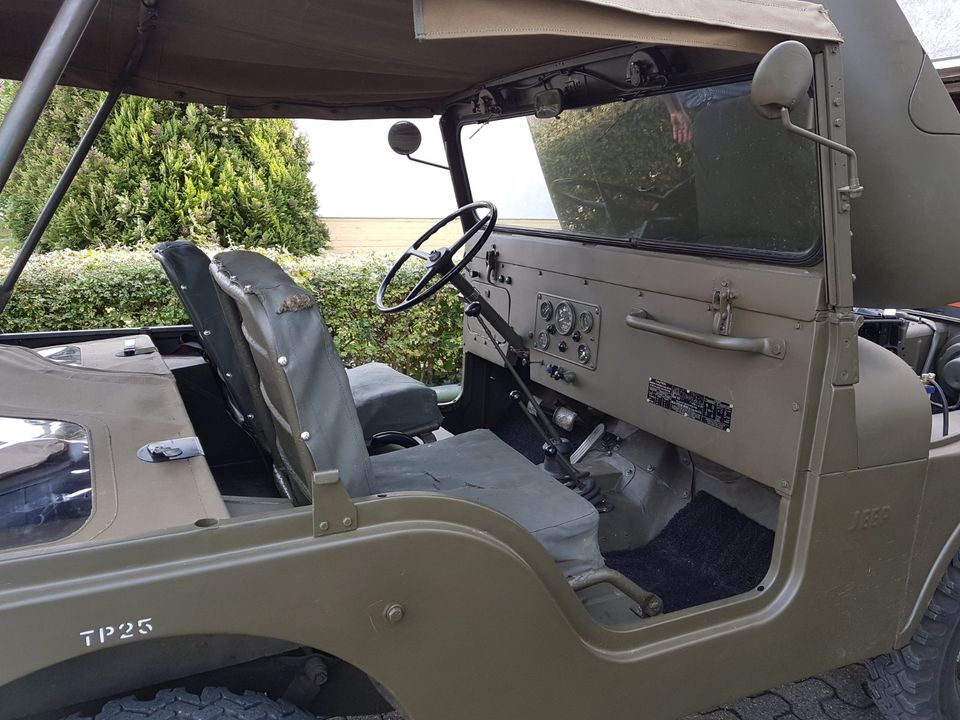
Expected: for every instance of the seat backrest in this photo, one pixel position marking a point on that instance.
(188, 269)
(292, 364)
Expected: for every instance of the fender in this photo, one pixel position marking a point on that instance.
(453, 567)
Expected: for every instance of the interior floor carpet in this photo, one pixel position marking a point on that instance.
(516, 430)
(708, 551)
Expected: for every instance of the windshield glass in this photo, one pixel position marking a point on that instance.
(693, 167)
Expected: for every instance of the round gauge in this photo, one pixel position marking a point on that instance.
(546, 309)
(543, 340)
(583, 354)
(585, 321)
(565, 318)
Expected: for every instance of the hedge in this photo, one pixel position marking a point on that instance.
(68, 290)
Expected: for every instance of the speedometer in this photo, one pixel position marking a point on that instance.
(565, 318)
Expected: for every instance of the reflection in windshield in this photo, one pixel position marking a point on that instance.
(696, 166)
(45, 482)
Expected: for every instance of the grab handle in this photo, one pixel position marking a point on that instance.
(771, 347)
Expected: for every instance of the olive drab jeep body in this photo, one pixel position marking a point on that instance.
(687, 462)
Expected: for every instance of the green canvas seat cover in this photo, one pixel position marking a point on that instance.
(386, 400)
(293, 365)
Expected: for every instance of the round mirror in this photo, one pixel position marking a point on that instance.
(404, 138)
(782, 78)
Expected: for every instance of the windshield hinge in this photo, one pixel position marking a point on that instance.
(844, 327)
(722, 305)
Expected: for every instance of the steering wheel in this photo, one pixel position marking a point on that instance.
(439, 262)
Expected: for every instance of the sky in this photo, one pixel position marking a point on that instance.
(357, 175)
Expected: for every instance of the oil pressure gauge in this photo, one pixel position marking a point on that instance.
(543, 340)
(583, 354)
(565, 318)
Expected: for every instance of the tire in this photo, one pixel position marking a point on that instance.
(921, 679)
(211, 704)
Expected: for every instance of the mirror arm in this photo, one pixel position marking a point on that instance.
(427, 162)
(853, 188)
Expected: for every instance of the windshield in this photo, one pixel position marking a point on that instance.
(693, 167)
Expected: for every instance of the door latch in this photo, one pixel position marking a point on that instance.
(722, 306)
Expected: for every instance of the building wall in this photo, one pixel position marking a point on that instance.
(393, 235)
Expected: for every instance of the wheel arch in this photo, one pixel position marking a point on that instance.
(94, 677)
(916, 605)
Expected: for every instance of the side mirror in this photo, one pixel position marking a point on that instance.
(404, 138)
(780, 83)
(782, 79)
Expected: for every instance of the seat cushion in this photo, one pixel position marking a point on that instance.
(388, 400)
(478, 466)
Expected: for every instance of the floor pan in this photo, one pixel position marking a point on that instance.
(708, 551)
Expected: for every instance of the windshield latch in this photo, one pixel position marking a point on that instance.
(722, 306)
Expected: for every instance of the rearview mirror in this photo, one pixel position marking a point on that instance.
(782, 79)
(404, 138)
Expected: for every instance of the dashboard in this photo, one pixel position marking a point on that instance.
(572, 302)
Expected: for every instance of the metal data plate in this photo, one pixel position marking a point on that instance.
(567, 329)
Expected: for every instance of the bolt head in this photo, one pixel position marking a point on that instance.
(304, 435)
(348, 522)
(282, 361)
(324, 526)
(207, 333)
(394, 613)
(183, 287)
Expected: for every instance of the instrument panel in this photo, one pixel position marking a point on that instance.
(567, 329)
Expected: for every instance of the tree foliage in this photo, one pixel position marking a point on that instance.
(163, 170)
(623, 147)
(69, 290)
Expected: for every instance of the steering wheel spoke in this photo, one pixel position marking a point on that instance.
(440, 263)
(414, 252)
(429, 275)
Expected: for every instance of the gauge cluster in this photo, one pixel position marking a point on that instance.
(567, 329)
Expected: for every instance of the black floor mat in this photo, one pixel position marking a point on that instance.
(516, 430)
(708, 551)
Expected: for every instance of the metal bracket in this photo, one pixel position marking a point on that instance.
(333, 510)
(722, 304)
(843, 332)
(173, 449)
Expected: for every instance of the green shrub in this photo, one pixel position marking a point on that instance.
(162, 170)
(68, 290)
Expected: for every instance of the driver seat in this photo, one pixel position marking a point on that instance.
(294, 369)
(387, 401)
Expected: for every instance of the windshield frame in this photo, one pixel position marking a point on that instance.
(453, 126)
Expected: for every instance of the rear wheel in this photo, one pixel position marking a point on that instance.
(922, 680)
(210, 704)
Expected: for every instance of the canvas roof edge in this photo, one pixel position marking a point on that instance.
(362, 59)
